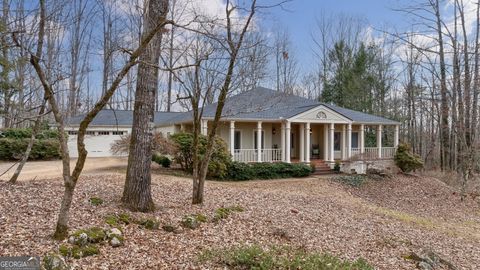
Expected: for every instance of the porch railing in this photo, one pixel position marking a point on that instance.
(250, 155)
(355, 152)
(388, 152)
(372, 153)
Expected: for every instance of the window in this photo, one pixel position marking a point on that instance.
(337, 138)
(237, 140)
(90, 132)
(117, 132)
(255, 139)
(354, 139)
(104, 133)
(72, 132)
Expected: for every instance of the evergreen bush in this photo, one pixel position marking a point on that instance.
(219, 161)
(406, 160)
(243, 171)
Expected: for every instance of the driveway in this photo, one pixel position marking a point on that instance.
(53, 168)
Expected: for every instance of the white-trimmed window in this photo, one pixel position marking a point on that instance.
(237, 140)
(116, 132)
(337, 141)
(354, 139)
(255, 139)
(72, 132)
(90, 132)
(104, 133)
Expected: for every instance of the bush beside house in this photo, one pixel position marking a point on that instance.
(162, 160)
(14, 142)
(219, 161)
(406, 160)
(221, 166)
(238, 171)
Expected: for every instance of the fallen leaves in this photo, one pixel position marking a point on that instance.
(313, 214)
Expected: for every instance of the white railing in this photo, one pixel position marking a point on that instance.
(271, 155)
(355, 152)
(388, 152)
(250, 155)
(370, 153)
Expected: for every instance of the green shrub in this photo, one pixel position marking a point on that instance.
(95, 201)
(406, 160)
(224, 212)
(117, 219)
(242, 171)
(26, 133)
(336, 167)
(94, 234)
(352, 180)
(282, 257)
(193, 221)
(239, 171)
(11, 149)
(219, 161)
(78, 252)
(161, 160)
(149, 224)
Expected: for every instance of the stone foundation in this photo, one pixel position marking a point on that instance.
(361, 166)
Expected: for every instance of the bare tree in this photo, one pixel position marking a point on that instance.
(137, 191)
(71, 178)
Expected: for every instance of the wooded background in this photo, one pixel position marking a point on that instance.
(427, 78)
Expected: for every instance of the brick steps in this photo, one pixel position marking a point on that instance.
(321, 168)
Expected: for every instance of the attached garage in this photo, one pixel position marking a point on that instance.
(107, 127)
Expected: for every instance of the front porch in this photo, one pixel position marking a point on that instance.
(307, 141)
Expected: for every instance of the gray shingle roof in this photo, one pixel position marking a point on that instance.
(266, 104)
(260, 103)
(360, 117)
(119, 118)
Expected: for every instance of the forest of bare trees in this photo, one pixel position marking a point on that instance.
(86, 55)
(426, 77)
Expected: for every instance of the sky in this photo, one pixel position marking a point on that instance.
(299, 19)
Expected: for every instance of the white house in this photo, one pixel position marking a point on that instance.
(289, 129)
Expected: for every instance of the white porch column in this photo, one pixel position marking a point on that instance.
(302, 142)
(182, 128)
(332, 143)
(396, 136)
(379, 140)
(232, 138)
(259, 141)
(325, 142)
(344, 142)
(282, 139)
(362, 138)
(307, 142)
(287, 142)
(349, 140)
(204, 127)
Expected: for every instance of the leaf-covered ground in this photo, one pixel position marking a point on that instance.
(381, 221)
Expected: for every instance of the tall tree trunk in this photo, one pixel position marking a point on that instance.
(137, 191)
(170, 62)
(444, 111)
(476, 83)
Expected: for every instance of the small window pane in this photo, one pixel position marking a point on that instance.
(336, 139)
(237, 140)
(354, 139)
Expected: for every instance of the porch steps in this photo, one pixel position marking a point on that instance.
(321, 168)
